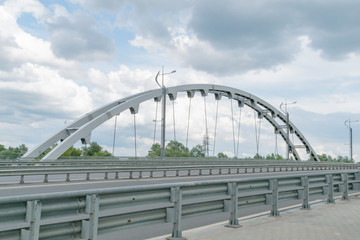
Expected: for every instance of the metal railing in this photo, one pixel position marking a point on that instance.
(89, 214)
(85, 171)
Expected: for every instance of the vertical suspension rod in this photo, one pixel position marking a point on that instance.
(232, 122)
(188, 124)
(206, 131)
(173, 104)
(155, 121)
(238, 136)
(113, 150)
(217, 110)
(135, 135)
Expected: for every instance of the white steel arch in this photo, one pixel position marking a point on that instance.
(81, 129)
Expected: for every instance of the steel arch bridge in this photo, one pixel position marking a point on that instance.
(81, 128)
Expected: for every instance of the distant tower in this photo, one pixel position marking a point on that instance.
(205, 146)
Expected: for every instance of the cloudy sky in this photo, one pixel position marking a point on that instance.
(62, 59)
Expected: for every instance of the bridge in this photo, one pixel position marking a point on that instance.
(82, 128)
(47, 197)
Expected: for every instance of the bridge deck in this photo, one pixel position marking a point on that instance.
(322, 222)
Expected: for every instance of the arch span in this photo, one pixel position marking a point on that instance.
(81, 128)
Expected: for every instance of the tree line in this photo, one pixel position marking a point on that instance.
(172, 149)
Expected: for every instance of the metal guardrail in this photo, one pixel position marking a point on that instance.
(158, 161)
(118, 171)
(88, 214)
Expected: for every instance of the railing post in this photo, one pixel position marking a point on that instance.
(22, 179)
(275, 198)
(356, 186)
(176, 198)
(89, 228)
(345, 195)
(33, 214)
(305, 184)
(234, 192)
(329, 180)
(46, 178)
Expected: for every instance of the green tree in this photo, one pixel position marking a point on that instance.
(95, 150)
(11, 152)
(343, 159)
(155, 150)
(197, 151)
(176, 149)
(2, 148)
(74, 152)
(222, 155)
(258, 156)
(274, 157)
(325, 158)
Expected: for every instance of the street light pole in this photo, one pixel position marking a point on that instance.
(163, 108)
(348, 125)
(287, 128)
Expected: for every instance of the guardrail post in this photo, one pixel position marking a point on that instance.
(305, 184)
(33, 214)
(356, 186)
(330, 181)
(345, 195)
(22, 179)
(151, 174)
(67, 177)
(140, 174)
(176, 198)
(164, 173)
(131, 175)
(46, 178)
(117, 175)
(87, 176)
(106, 177)
(234, 192)
(89, 228)
(274, 186)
